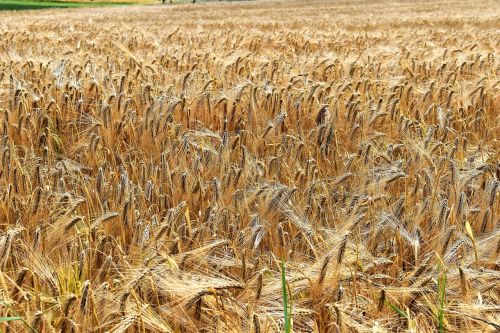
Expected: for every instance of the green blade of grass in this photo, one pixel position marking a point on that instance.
(288, 326)
(441, 300)
(397, 310)
(5, 319)
(16, 318)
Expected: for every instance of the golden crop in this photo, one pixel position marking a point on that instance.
(158, 163)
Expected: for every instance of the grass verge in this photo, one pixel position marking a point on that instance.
(24, 5)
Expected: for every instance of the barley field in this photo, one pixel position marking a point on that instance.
(267, 166)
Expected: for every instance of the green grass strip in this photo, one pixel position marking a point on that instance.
(25, 5)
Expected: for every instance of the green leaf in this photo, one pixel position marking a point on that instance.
(441, 300)
(5, 319)
(286, 310)
(397, 310)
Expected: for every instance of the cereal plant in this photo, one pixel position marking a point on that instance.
(159, 163)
